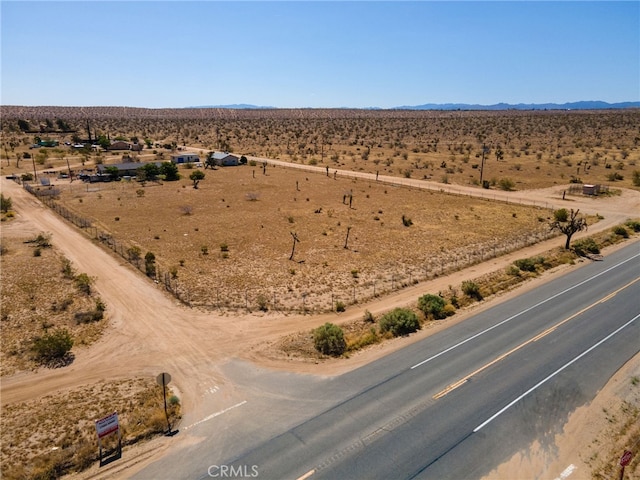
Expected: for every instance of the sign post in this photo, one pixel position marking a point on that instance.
(106, 426)
(163, 380)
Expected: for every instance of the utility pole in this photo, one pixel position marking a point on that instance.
(484, 151)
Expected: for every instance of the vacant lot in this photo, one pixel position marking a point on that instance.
(37, 297)
(230, 241)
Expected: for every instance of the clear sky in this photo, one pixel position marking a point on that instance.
(359, 54)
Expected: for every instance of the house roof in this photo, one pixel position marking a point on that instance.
(126, 166)
(222, 155)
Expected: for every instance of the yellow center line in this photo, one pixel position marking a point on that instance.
(465, 379)
(307, 475)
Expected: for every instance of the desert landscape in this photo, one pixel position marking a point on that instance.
(263, 253)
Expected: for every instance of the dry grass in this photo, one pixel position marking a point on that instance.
(36, 297)
(622, 433)
(539, 148)
(232, 250)
(364, 332)
(46, 437)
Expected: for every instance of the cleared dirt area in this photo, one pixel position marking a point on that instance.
(230, 242)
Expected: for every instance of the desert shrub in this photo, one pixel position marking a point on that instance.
(263, 304)
(26, 177)
(368, 317)
(471, 289)
(340, 306)
(506, 184)
(329, 339)
(633, 225)
(432, 306)
(134, 254)
(513, 271)
(52, 346)
(5, 203)
(369, 338)
(406, 221)
(525, 264)
(67, 269)
(150, 264)
(636, 178)
(84, 282)
(586, 245)
(621, 231)
(400, 321)
(449, 309)
(88, 317)
(42, 240)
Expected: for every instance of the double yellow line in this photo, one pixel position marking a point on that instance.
(549, 330)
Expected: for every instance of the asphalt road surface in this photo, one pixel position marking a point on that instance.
(454, 405)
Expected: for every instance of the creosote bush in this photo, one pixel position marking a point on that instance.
(329, 339)
(621, 230)
(471, 289)
(432, 306)
(586, 245)
(52, 346)
(84, 282)
(400, 321)
(633, 225)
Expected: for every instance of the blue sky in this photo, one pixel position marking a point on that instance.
(317, 54)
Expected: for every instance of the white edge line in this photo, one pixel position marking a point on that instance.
(523, 311)
(214, 415)
(500, 412)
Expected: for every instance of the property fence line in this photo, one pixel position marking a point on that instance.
(280, 298)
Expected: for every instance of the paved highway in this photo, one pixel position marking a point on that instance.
(454, 405)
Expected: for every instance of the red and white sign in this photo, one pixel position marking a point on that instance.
(626, 458)
(107, 425)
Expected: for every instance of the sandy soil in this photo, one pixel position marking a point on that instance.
(150, 332)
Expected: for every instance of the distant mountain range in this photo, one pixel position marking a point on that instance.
(584, 105)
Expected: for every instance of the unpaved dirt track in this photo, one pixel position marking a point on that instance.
(149, 332)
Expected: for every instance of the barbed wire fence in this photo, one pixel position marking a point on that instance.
(281, 298)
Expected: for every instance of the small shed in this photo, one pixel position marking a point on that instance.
(185, 158)
(589, 189)
(224, 159)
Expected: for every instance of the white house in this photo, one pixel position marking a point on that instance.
(224, 159)
(185, 158)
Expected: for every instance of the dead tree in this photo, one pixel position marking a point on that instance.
(295, 240)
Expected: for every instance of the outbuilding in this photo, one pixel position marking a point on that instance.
(185, 158)
(590, 189)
